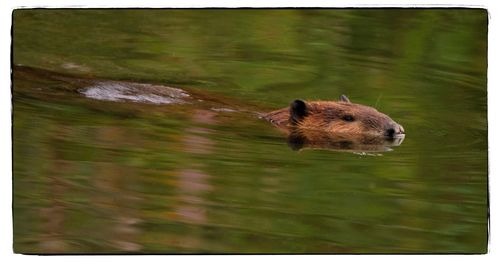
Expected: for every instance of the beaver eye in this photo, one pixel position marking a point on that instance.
(348, 118)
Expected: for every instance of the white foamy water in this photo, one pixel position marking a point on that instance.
(136, 92)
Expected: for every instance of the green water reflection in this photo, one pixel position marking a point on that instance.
(98, 177)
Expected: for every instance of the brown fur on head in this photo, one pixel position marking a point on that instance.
(340, 117)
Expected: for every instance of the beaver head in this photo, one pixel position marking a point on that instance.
(335, 117)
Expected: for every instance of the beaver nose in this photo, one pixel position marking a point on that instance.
(390, 132)
(397, 129)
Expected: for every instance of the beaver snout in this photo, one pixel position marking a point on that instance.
(396, 130)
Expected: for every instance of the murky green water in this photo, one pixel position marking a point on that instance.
(95, 176)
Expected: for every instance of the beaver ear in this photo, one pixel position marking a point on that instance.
(298, 110)
(344, 98)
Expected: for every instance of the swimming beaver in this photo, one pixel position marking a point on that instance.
(337, 124)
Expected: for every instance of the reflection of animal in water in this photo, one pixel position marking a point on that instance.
(336, 125)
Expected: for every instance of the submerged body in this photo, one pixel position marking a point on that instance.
(335, 124)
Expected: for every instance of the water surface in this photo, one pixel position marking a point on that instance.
(97, 176)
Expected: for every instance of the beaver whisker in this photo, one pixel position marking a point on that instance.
(378, 99)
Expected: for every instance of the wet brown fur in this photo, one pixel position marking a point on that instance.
(328, 116)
